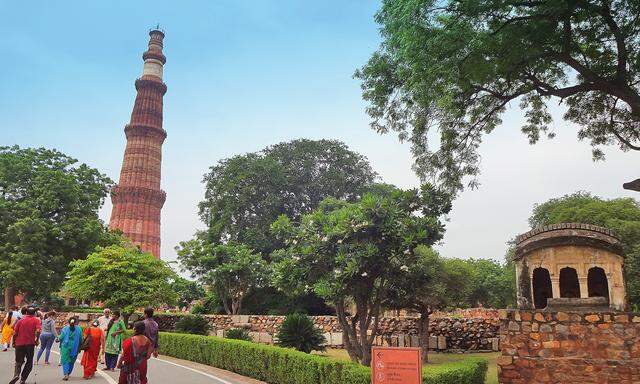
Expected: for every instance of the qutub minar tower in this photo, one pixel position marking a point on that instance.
(138, 199)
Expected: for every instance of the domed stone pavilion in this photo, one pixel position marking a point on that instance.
(570, 266)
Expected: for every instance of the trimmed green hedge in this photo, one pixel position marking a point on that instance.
(277, 365)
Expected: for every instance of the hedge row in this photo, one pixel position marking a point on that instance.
(277, 365)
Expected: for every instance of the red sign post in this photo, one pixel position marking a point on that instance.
(396, 365)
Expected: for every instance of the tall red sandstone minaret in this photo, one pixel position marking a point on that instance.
(138, 199)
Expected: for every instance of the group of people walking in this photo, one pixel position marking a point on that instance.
(102, 341)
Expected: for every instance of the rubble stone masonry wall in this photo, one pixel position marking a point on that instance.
(541, 347)
(466, 330)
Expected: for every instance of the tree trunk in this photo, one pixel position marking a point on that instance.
(235, 306)
(423, 330)
(9, 298)
(125, 318)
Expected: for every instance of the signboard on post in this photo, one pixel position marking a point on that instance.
(396, 365)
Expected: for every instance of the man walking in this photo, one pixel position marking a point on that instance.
(151, 330)
(25, 339)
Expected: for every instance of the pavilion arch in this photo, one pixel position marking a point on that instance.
(597, 283)
(541, 287)
(582, 261)
(569, 283)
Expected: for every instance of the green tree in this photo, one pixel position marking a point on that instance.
(353, 252)
(454, 66)
(123, 277)
(429, 284)
(230, 270)
(491, 284)
(187, 291)
(48, 217)
(620, 215)
(246, 193)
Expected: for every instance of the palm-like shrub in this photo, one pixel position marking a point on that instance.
(238, 334)
(194, 324)
(299, 332)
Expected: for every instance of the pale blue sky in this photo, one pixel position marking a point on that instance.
(243, 75)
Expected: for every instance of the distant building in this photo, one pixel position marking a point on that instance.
(138, 199)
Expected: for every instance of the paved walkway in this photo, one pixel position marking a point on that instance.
(163, 370)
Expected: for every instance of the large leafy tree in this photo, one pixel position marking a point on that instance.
(246, 193)
(621, 215)
(453, 66)
(354, 252)
(492, 284)
(230, 270)
(429, 284)
(188, 291)
(121, 276)
(48, 217)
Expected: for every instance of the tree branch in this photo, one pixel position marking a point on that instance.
(622, 54)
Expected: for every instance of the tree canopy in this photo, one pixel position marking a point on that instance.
(491, 284)
(48, 217)
(621, 215)
(353, 252)
(246, 193)
(230, 270)
(429, 284)
(123, 277)
(448, 69)
(188, 291)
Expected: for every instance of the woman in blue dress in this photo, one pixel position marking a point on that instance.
(70, 339)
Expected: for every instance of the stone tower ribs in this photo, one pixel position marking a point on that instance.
(138, 199)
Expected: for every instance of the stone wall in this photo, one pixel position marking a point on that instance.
(464, 330)
(455, 332)
(569, 347)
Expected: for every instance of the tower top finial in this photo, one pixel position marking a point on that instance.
(155, 30)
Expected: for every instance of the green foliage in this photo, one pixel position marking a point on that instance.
(210, 305)
(76, 309)
(187, 291)
(52, 301)
(48, 217)
(230, 270)
(450, 69)
(430, 283)
(246, 193)
(193, 324)
(277, 365)
(123, 277)
(238, 334)
(621, 215)
(270, 301)
(353, 252)
(298, 332)
(492, 284)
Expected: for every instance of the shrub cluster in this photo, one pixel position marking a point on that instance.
(277, 365)
(299, 332)
(238, 334)
(194, 324)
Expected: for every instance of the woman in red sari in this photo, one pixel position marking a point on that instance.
(136, 350)
(90, 356)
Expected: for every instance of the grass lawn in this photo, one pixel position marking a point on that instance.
(440, 358)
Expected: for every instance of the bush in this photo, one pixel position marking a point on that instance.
(277, 365)
(299, 332)
(194, 324)
(238, 334)
(210, 305)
